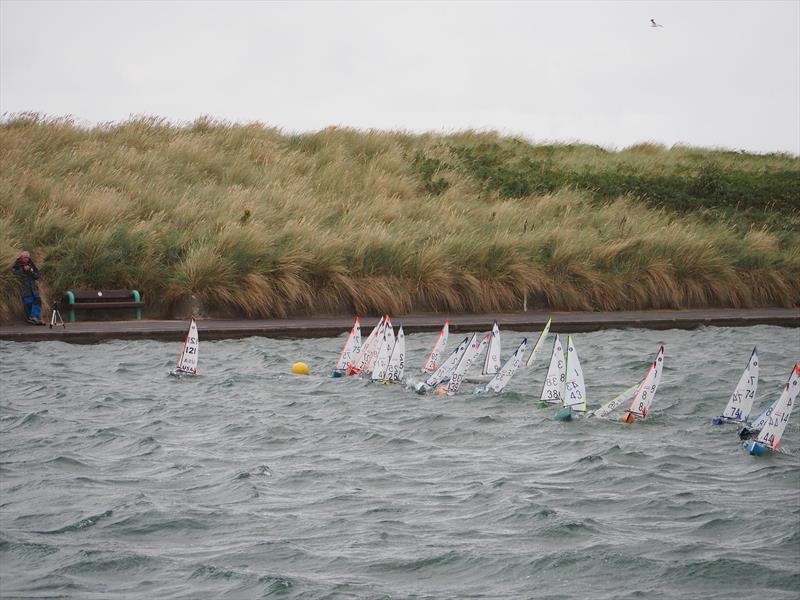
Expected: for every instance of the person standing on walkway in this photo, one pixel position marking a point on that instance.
(27, 274)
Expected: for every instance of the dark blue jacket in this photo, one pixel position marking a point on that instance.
(26, 279)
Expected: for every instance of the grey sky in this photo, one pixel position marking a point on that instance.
(717, 74)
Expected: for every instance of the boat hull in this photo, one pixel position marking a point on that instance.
(179, 373)
(628, 417)
(725, 421)
(757, 448)
(565, 414)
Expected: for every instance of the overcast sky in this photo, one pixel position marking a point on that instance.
(721, 74)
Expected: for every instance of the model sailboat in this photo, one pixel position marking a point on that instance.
(574, 386)
(384, 352)
(630, 392)
(770, 436)
(753, 428)
(539, 343)
(352, 347)
(368, 350)
(395, 365)
(491, 365)
(643, 398)
(187, 361)
(741, 401)
(491, 362)
(397, 360)
(438, 347)
(445, 369)
(504, 375)
(474, 349)
(616, 401)
(553, 386)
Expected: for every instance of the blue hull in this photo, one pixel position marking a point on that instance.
(757, 448)
(725, 421)
(337, 374)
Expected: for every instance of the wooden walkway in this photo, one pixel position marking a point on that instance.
(563, 322)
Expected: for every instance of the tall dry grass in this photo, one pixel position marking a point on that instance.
(257, 223)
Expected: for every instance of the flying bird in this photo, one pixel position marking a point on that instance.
(654, 24)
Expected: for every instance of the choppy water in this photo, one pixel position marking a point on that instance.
(119, 481)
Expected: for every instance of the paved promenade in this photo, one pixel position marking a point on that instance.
(563, 322)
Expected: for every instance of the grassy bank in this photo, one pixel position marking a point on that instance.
(255, 222)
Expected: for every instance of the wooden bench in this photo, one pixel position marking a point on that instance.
(102, 300)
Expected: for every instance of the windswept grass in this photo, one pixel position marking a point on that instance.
(254, 222)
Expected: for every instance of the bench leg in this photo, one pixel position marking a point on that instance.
(137, 298)
(71, 300)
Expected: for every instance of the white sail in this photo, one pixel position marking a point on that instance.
(397, 360)
(352, 347)
(433, 359)
(744, 394)
(474, 349)
(512, 364)
(390, 337)
(380, 339)
(553, 387)
(381, 360)
(384, 351)
(187, 361)
(574, 387)
(456, 374)
(643, 399)
(446, 368)
(773, 429)
(491, 365)
(539, 343)
(616, 401)
(365, 354)
(759, 423)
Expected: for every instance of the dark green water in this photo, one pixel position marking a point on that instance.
(118, 481)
